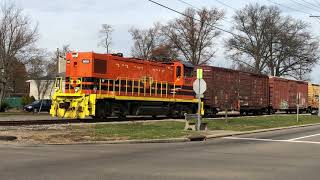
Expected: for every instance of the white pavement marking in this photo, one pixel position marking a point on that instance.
(272, 140)
(302, 137)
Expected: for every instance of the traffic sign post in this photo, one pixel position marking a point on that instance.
(199, 87)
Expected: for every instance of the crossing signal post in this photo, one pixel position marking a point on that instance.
(199, 87)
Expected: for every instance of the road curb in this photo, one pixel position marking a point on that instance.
(141, 141)
(259, 131)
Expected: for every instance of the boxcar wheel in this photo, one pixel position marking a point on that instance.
(122, 117)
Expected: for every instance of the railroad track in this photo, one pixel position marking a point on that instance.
(69, 121)
(111, 119)
(37, 122)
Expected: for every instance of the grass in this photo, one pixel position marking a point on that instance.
(140, 130)
(174, 129)
(164, 129)
(261, 122)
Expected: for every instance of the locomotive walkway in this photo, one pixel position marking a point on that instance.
(284, 154)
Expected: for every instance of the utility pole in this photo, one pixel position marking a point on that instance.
(319, 104)
(298, 102)
(58, 60)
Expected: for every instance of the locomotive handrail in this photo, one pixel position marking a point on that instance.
(58, 84)
(121, 85)
(164, 85)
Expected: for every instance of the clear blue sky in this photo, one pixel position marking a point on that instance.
(77, 22)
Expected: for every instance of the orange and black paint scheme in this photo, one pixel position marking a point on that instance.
(104, 85)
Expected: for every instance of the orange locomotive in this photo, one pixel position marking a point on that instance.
(103, 85)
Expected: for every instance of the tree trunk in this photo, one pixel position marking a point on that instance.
(2, 93)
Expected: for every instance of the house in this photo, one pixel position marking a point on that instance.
(41, 88)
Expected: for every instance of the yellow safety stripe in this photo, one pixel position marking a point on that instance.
(135, 98)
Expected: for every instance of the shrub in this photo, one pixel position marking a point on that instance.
(4, 106)
(27, 100)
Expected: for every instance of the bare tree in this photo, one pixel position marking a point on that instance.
(267, 42)
(37, 67)
(193, 34)
(249, 47)
(164, 52)
(105, 34)
(16, 34)
(145, 41)
(151, 44)
(294, 52)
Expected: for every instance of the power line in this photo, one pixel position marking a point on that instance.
(301, 4)
(178, 12)
(184, 2)
(311, 4)
(316, 17)
(317, 2)
(226, 5)
(288, 7)
(293, 9)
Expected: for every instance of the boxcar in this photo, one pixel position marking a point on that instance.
(313, 95)
(285, 93)
(235, 90)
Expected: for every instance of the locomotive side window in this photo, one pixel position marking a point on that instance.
(178, 72)
(99, 66)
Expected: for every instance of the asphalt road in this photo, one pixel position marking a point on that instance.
(286, 154)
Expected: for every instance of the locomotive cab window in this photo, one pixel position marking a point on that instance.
(188, 72)
(178, 72)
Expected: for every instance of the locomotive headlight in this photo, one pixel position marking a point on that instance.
(56, 88)
(68, 61)
(85, 61)
(74, 55)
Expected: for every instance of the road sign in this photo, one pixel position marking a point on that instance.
(199, 73)
(199, 86)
